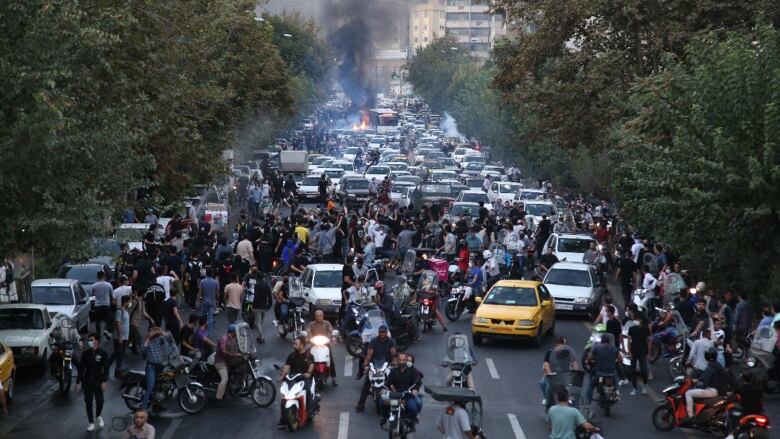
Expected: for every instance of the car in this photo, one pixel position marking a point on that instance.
(459, 209)
(530, 194)
(401, 194)
(7, 371)
(432, 165)
(575, 287)
(396, 174)
(63, 296)
(569, 247)
(85, 273)
(472, 169)
(411, 179)
(474, 196)
(474, 182)
(309, 188)
(443, 176)
(537, 208)
(460, 153)
(457, 187)
(397, 166)
(351, 153)
(348, 167)
(377, 171)
(502, 191)
(320, 285)
(334, 175)
(514, 309)
(449, 164)
(433, 193)
(353, 190)
(26, 328)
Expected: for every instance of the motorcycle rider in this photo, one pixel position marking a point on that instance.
(227, 354)
(404, 378)
(301, 362)
(561, 358)
(710, 382)
(606, 356)
(381, 348)
(547, 260)
(281, 293)
(320, 326)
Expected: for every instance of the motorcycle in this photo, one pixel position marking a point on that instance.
(297, 410)
(760, 360)
(320, 351)
(63, 343)
(459, 359)
(398, 424)
(245, 379)
(427, 292)
(607, 394)
(171, 384)
(377, 377)
(461, 299)
(710, 414)
(368, 328)
(595, 337)
(748, 426)
(294, 323)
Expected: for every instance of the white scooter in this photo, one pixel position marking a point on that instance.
(297, 411)
(320, 351)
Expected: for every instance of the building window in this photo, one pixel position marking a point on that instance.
(426, 27)
(426, 14)
(415, 28)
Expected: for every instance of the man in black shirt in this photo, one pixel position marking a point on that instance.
(639, 347)
(93, 374)
(381, 349)
(187, 343)
(154, 301)
(547, 260)
(701, 319)
(348, 278)
(261, 304)
(402, 379)
(750, 395)
(625, 273)
(301, 362)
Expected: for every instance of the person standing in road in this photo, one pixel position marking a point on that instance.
(121, 334)
(103, 293)
(234, 297)
(564, 420)
(638, 348)
(152, 349)
(173, 321)
(93, 374)
(743, 316)
(209, 287)
(263, 298)
(625, 274)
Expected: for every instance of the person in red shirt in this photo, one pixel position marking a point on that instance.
(602, 234)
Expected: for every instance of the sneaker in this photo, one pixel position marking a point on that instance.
(275, 323)
(633, 392)
(622, 382)
(544, 401)
(644, 390)
(100, 422)
(91, 427)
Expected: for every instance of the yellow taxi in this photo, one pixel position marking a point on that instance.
(514, 309)
(7, 371)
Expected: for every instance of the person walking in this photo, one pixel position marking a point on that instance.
(208, 290)
(93, 375)
(121, 334)
(638, 348)
(103, 293)
(234, 297)
(173, 321)
(261, 305)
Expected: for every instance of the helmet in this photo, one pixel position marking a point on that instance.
(379, 285)
(487, 254)
(711, 354)
(231, 328)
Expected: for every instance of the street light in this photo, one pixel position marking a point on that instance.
(287, 35)
(259, 19)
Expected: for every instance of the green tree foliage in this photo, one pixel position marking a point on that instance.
(101, 98)
(700, 163)
(433, 68)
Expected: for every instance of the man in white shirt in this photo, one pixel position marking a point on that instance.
(698, 349)
(357, 290)
(166, 280)
(122, 290)
(379, 240)
(245, 251)
(636, 249)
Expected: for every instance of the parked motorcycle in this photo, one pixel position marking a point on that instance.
(294, 324)
(460, 300)
(710, 414)
(299, 406)
(63, 342)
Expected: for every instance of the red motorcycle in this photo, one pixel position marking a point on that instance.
(748, 426)
(710, 414)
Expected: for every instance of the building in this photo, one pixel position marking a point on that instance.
(386, 70)
(426, 23)
(474, 27)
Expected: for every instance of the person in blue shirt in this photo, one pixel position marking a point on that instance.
(475, 277)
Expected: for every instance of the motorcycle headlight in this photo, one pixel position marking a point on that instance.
(751, 362)
(481, 321)
(583, 300)
(525, 323)
(319, 340)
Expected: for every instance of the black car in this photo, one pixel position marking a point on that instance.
(353, 191)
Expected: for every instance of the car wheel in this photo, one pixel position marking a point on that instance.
(9, 392)
(537, 340)
(551, 331)
(477, 339)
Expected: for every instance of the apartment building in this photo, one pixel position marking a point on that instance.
(426, 22)
(474, 27)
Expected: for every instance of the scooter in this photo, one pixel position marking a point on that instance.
(710, 414)
(297, 410)
(760, 360)
(748, 426)
(320, 351)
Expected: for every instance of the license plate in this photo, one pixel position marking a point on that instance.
(564, 306)
(500, 329)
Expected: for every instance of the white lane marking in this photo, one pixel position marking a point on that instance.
(343, 425)
(515, 426)
(172, 429)
(492, 368)
(348, 366)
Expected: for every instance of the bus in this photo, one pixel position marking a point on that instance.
(383, 119)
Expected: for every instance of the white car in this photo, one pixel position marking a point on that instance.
(334, 174)
(501, 191)
(351, 153)
(474, 196)
(458, 209)
(575, 288)
(348, 167)
(530, 194)
(534, 209)
(444, 176)
(25, 328)
(378, 171)
(320, 285)
(401, 193)
(569, 247)
(450, 164)
(309, 188)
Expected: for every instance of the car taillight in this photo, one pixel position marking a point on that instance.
(761, 421)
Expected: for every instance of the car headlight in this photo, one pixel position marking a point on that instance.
(526, 323)
(322, 302)
(583, 300)
(30, 350)
(481, 321)
(751, 362)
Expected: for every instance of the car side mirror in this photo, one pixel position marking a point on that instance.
(478, 299)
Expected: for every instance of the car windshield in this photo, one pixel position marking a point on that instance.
(21, 318)
(474, 197)
(356, 184)
(48, 295)
(328, 279)
(474, 182)
(132, 235)
(474, 166)
(539, 209)
(352, 151)
(409, 179)
(311, 181)
(430, 189)
(319, 160)
(397, 166)
(378, 170)
(512, 296)
(464, 209)
(334, 174)
(529, 195)
(509, 188)
(439, 176)
(85, 274)
(574, 278)
(573, 245)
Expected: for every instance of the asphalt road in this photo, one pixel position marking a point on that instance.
(506, 377)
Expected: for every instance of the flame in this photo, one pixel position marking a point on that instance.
(361, 127)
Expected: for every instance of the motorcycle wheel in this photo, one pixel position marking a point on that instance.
(451, 313)
(355, 346)
(291, 415)
(676, 367)
(587, 367)
(66, 378)
(663, 418)
(655, 352)
(135, 390)
(193, 399)
(263, 392)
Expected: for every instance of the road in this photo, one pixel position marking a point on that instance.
(506, 377)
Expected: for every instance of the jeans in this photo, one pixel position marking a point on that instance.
(284, 311)
(545, 387)
(698, 393)
(93, 391)
(413, 407)
(207, 310)
(151, 376)
(592, 383)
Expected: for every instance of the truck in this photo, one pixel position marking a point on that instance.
(293, 161)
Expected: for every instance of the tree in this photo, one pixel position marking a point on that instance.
(432, 70)
(700, 160)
